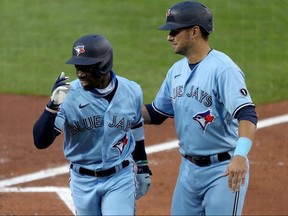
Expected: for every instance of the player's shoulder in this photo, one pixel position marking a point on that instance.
(220, 63)
(181, 62)
(219, 58)
(179, 65)
(127, 82)
(130, 89)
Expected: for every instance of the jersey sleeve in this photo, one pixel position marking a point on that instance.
(138, 131)
(60, 120)
(162, 102)
(233, 92)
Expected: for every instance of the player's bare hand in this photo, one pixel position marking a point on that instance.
(236, 172)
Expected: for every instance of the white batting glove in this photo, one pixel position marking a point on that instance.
(143, 184)
(59, 92)
(143, 179)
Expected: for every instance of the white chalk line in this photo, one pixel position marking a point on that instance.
(64, 192)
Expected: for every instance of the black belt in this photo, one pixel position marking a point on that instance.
(101, 173)
(205, 160)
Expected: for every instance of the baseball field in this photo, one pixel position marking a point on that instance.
(36, 39)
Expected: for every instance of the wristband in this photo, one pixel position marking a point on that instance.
(53, 106)
(243, 146)
(142, 167)
(142, 163)
(51, 110)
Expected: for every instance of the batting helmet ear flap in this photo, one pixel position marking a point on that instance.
(107, 63)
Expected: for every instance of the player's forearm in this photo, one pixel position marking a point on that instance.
(139, 152)
(247, 129)
(146, 115)
(246, 134)
(43, 130)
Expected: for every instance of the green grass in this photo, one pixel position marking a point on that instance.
(37, 38)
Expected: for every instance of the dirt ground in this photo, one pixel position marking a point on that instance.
(267, 193)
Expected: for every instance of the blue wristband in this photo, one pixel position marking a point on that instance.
(243, 146)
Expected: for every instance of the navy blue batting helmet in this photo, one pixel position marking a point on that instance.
(93, 49)
(188, 13)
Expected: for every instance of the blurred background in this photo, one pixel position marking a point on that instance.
(37, 38)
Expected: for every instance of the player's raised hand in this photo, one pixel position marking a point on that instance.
(59, 91)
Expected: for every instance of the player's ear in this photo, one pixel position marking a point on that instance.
(196, 30)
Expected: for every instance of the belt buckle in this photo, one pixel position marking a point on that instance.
(193, 160)
(202, 161)
(207, 161)
(95, 173)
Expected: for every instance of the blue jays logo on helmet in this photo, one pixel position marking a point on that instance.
(120, 144)
(204, 118)
(168, 12)
(79, 49)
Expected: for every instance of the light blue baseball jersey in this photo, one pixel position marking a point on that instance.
(98, 133)
(204, 102)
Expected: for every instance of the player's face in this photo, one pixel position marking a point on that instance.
(180, 40)
(89, 78)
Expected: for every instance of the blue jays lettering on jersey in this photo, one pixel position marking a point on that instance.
(210, 94)
(98, 132)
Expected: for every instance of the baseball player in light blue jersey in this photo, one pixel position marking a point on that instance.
(100, 115)
(215, 118)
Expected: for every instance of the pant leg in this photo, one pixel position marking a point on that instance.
(113, 195)
(119, 197)
(219, 200)
(85, 195)
(186, 199)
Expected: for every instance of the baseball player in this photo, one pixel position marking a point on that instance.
(100, 115)
(214, 117)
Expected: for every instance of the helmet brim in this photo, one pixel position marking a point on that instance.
(75, 60)
(172, 26)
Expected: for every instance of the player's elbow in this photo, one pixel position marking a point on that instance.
(41, 141)
(151, 116)
(39, 146)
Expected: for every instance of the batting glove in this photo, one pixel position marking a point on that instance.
(143, 178)
(59, 91)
